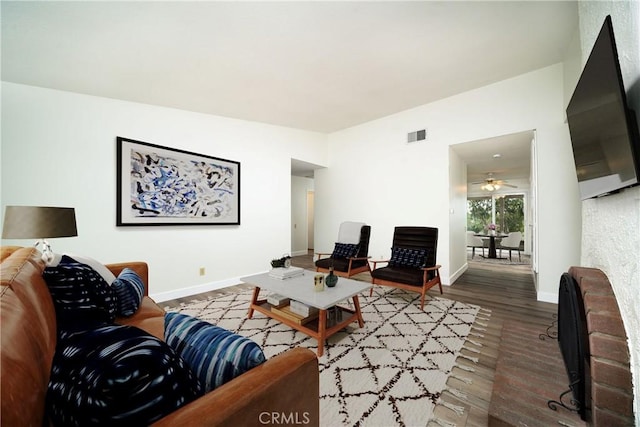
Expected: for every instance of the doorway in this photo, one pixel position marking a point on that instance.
(310, 220)
(506, 214)
(302, 207)
(500, 180)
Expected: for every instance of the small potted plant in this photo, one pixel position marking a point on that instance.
(492, 229)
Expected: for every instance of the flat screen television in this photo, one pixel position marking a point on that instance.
(604, 130)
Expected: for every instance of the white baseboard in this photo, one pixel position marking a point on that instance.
(551, 297)
(198, 289)
(458, 273)
(298, 253)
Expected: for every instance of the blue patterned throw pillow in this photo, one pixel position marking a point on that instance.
(129, 291)
(405, 257)
(116, 375)
(344, 250)
(81, 296)
(214, 354)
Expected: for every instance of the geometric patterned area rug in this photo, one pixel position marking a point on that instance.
(391, 372)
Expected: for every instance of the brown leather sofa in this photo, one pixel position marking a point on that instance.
(284, 390)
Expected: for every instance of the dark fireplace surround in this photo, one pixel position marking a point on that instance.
(595, 348)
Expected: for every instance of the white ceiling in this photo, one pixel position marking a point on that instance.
(507, 157)
(317, 65)
(320, 66)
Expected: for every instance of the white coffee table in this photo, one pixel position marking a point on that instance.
(301, 289)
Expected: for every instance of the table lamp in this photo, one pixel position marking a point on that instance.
(39, 222)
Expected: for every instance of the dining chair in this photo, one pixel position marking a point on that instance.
(511, 243)
(474, 242)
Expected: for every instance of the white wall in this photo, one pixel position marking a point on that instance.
(375, 176)
(457, 215)
(559, 222)
(299, 214)
(610, 236)
(59, 149)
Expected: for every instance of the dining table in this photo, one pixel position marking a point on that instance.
(492, 243)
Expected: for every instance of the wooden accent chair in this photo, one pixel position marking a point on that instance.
(412, 266)
(350, 265)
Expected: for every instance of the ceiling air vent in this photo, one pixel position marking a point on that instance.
(417, 136)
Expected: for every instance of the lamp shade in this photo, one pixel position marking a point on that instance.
(38, 222)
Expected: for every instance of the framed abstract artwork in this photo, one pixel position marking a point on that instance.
(164, 186)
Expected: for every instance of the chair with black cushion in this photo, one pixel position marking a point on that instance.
(412, 266)
(350, 255)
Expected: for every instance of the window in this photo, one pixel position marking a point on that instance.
(506, 211)
(478, 213)
(510, 213)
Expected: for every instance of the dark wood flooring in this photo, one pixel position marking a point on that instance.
(508, 292)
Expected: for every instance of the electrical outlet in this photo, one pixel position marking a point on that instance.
(202, 271)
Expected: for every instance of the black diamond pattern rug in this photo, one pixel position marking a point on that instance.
(391, 372)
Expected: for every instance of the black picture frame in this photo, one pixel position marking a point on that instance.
(159, 185)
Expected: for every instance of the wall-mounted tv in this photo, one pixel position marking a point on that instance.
(604, 130)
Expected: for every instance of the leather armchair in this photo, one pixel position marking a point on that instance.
(411, 278)
(347, 267)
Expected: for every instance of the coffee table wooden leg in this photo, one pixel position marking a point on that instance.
(356, 303)
(322, 331)
(254, 300)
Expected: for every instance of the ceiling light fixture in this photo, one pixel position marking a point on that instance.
(490, 187)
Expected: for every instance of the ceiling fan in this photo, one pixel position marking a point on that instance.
(492, 184)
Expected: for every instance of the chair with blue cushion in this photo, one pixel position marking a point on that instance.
(350, 255)
(412, 265)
